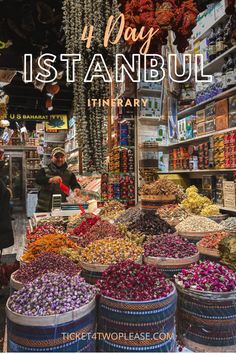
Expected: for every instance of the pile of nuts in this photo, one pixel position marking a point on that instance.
(163, 187)
(198, 224)
(173, 214)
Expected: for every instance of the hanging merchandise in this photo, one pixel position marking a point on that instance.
(179, 16)
(92, 121)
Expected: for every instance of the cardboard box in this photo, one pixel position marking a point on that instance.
(210, 112)
(232, 111)
(200, 116)
(210, 126)
(222, 114)
(229, 194)
(201, 128)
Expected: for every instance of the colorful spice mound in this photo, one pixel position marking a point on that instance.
(56, 221)
(109, 251)
(150, 224)
(227, 249)
(207, 276)
(46, 263)
(52, 294)
(129, 215)
(70, 253)
(44, 230)
(210, 210)
(212, 241)
(134, 236)
(74, 221)
(173, 214)
(86, 224)
(102, 229)
(134, 282)
(49, 243)
(195, 202)
(112, 210)
(198, 224)
(229, 224)
(170, 246)
(163, 187)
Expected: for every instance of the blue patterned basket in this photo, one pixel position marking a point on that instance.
(129, 326)
(69, 332)
(206, 320)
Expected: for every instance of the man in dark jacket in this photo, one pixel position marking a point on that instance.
(50, 178)
(6, 232)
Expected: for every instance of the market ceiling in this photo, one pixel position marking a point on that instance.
(30, 26)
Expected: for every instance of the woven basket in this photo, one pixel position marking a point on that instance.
(208, 251)
(151, 318)
(45, 333)
(15, 284)
(194, 236)
(153, 202)
(171, 266)
(206, 321)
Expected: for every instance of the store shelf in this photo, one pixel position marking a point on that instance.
(33, 159)
(149, 92)
(195, 108)
(125, 147)
(120, 173)
(207, 32)
(216, 64)
(150, 120)
(199, 171)
(233, 210)
(200, 137)
(17, 147)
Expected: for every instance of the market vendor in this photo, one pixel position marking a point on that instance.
(49, 179)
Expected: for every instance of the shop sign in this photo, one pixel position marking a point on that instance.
(27, 116)
(57, 122)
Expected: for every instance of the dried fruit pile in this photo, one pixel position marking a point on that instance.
(130, 214)
(212, 241)
(112, 210)
(173, 214)
(195, 202)
(210, 210)
(163, 187)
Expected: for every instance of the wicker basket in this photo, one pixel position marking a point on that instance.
(206, 321)
(171, 266)
(194, 236)
(153, 202)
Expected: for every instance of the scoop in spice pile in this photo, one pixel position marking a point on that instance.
(198, 224)
(163, 187)
(207, 276)
(173, 214)
(150, 224)
(109, 251)
(52, 294)
(49, 243)
(112, 210)
(102, 229)
(169, 246)
(227, 249)
(129, 281)
(195, 202)
(46, 263)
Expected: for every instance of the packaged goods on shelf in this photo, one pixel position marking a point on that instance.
(221, 108)
(152, 109)
(229, 194)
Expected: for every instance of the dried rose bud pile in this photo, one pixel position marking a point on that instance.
(207, 276)
(86, 225)
(212, 241)
(52, 294)
(110, 251)
(150, 224)
(129, 281)
(170, 246)
(46, 263)
(102, 229)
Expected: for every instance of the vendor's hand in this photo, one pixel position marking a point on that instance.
(55, 180)
(77, 191)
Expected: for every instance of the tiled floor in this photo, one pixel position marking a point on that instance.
(19, 229)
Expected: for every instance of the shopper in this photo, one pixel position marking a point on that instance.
(50, 178)
(6, 232)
